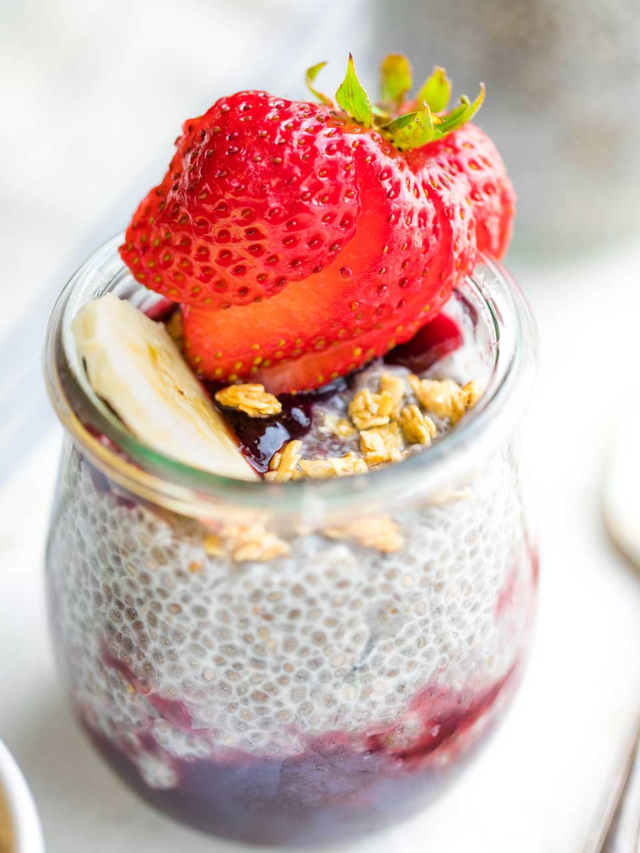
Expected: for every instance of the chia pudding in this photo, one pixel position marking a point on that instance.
(288, 611)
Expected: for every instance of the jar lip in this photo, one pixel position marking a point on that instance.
(164, 480)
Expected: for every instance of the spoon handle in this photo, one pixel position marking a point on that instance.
(618, 828)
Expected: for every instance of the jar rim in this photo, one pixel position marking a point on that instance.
(162, 480)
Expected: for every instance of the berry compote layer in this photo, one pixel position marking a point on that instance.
(282, 682)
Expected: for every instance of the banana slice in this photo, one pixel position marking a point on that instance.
(135, 366)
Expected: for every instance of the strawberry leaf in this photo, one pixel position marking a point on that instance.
(460, 115)
(436, 90)
(411, 130)
(353, 98)
(396, 79)
(310, 76)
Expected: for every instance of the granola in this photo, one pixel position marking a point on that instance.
(417, 427)
(382, 444)
(283, 464)
(473, 393)
(251, 398)
(213, 545)
(391, 416)
(245, 543)
(260, 547)
(395, 386)
(379, 532)
(334, 466)
(445, 398)
(371, 410)
(340, 427)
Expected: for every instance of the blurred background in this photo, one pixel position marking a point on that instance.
(92, 95)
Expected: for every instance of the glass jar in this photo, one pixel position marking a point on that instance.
(295, 662)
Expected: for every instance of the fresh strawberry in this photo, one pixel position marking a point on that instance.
(260, 192)
(471, 159)
(468, 153)
(397, 271)
(376, 221)
(492, 194)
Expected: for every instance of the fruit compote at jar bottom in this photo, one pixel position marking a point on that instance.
(330, 671)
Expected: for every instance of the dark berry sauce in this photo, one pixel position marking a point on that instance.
(260, 438)
(438, 338)
(337, 787)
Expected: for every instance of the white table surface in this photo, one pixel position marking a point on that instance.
(540, 782)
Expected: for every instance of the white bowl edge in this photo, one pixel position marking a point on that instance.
(26, 823)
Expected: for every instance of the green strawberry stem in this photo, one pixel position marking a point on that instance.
(411, 130)
(396, 79)
(310, 76)
(428, 121)
(436, 91)
(353, 98)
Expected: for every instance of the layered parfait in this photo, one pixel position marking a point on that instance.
(261, 653)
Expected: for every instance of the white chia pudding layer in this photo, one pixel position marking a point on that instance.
(161, 632)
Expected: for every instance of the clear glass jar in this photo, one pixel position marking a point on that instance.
(327, 691)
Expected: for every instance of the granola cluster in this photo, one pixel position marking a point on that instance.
(368, 410)
(251, 399)
(245, 543)
(382, 444)
(340, 427)
(383, 424)
(387, 423)
(376, 427)
(334, 466)
(445, 398)
(254, 542)
(284, 465)
(380, 532)
(417, 427)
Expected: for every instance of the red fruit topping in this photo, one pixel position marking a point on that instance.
(438, 338)
(397, 271)
(329, 237)
(477, 170)
(260, 192)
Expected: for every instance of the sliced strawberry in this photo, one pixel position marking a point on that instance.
(260, 192)
(391, 261)
(414, 241)
(492, 194)
(470, 157)
(313, 370)
(328, 237)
